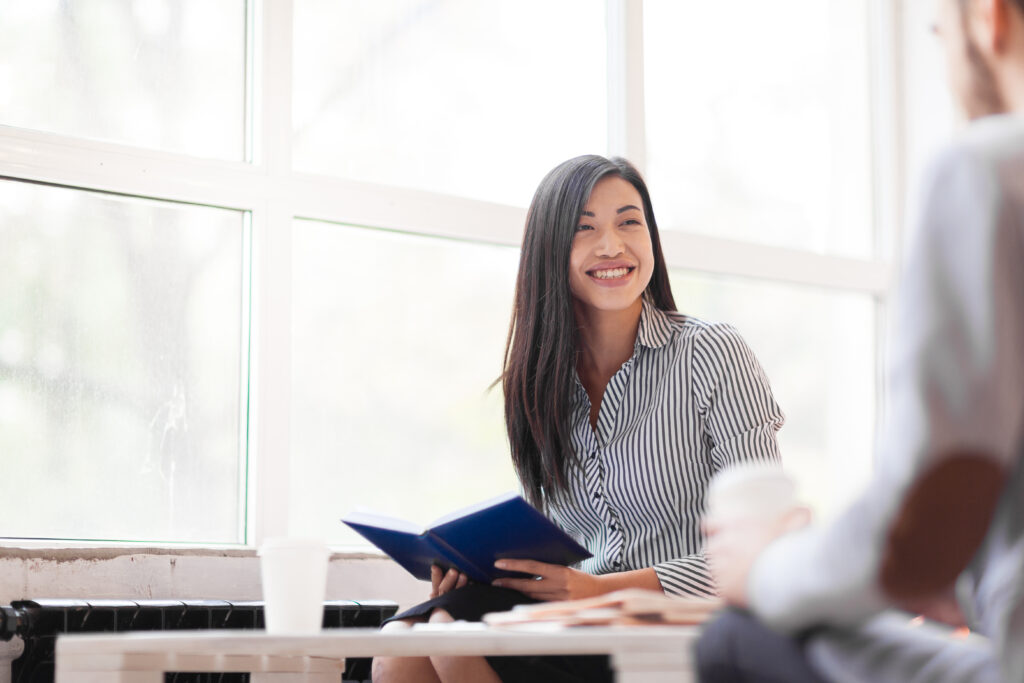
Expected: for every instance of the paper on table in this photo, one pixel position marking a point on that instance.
(632, 606)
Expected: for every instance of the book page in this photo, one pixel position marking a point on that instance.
(370, 518)
(476, 507)
(632, 606)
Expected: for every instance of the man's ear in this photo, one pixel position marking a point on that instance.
(989, 20)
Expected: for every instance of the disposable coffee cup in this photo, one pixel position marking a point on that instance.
(294, 577)
(751, 492)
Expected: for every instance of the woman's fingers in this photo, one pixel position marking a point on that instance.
(448, 582)
(442, 581)
(528, 567)
(436, 574)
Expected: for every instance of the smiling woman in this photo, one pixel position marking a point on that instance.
(612, 259)
(619, 411)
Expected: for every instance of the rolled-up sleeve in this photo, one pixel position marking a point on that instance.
(741, 417)
(956, 383)
(740, 422)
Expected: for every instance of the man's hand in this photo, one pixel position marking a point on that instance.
(734, 545)
(552, 582)
(442, 581)
(942, 607)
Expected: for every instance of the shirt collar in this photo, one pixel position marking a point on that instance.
(655, 328)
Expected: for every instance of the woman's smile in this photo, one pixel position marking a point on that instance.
(611, 275)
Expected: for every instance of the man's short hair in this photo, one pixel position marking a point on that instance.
(1019, 4)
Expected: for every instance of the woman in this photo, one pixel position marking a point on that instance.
(619, 411)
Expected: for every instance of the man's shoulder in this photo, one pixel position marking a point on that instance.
(992, 144)
(978, 176)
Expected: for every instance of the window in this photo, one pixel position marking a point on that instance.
(122, 353)
(473, 99)
(261, 255)
(165, 74)
(817, 348)
(759, 121)
(389, 370)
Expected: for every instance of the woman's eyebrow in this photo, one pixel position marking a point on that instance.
(623, 209)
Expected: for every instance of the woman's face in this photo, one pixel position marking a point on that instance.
(612, 259)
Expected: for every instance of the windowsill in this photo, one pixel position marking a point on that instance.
(65, 551)
(55, 569)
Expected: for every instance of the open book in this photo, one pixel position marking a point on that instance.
(628, 607)
(471, 539)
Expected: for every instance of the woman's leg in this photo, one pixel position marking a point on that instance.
(403, 669)
(460, 669)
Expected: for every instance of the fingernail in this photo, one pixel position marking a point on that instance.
(500, 564)
(498, 583)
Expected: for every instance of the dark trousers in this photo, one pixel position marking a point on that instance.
(736, 648)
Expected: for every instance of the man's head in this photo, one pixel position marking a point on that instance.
(984, 45)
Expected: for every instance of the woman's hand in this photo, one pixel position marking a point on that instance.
(442, 581)
(552, 582)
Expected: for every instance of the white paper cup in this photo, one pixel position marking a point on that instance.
(750, 492)
(294, 574)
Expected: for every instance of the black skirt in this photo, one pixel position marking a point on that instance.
(473, 601)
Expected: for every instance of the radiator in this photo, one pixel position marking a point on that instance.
(39, 622)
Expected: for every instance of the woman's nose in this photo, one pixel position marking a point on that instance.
(609, 243)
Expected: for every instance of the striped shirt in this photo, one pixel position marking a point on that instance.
(690, 401)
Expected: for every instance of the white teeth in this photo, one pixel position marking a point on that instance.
(610, 274)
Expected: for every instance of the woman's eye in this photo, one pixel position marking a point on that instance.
(632, 221)
(584, 227)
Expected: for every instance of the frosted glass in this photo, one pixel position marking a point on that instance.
(164, 74)
(759, 121)
(475, 99)
(121, 356)
(395, 341)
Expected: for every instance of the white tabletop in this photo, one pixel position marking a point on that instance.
(638, 653)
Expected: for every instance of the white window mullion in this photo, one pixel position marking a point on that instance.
(887, 127)
(109, 167)
(351, 202)
(626, 134)
(889, 167)
(690, 251)
(272, 282)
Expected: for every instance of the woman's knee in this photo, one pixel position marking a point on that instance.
(402, 669)
(439, 616)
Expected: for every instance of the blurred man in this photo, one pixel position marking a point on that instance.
(940, 529)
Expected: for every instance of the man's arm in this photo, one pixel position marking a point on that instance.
(956, 407)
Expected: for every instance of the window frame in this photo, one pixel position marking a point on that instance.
(272, 194)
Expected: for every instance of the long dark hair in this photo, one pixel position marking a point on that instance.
(540, 354)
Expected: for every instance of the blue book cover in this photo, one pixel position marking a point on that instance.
(471, 539)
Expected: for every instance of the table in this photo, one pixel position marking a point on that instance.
(639, 654)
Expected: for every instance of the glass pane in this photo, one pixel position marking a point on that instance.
(817, 347)
(395, 341)
(476, 99)
(770, 142)
(166, 74)
(121, 351)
